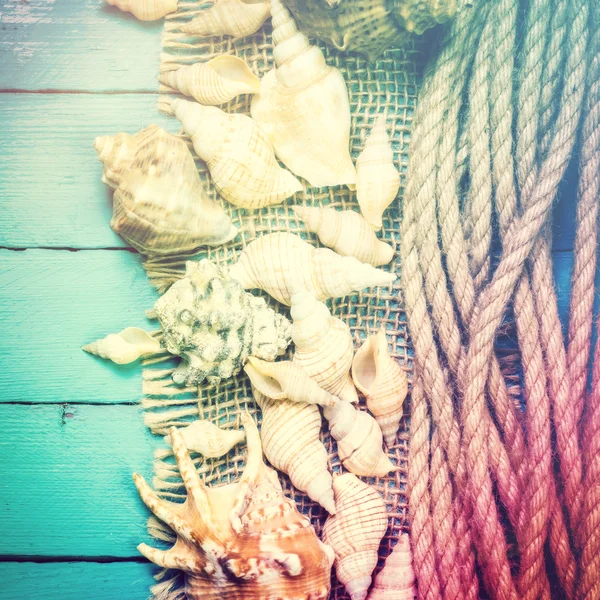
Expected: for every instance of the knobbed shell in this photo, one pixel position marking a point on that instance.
(238, 154)
(242, 541)
(146, 10)
(396, 581)
(159, 204)
(303, 107)
(280, 262)
(359, 440)
(229, 17)
(324, 346)
(208, 439)
(214, 82)
(383, 382)
(125, 347)
(291, 442)
(347, 233)
(377, 180)
(355, 532)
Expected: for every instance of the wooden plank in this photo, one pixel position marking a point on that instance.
(53, 302)
(75, 581)
(50, 188)
(76, 45)
(66, 488)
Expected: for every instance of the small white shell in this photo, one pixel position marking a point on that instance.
(146, 10)
(396, 581)
(208, 439)
(125, 347)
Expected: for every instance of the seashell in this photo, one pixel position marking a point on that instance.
(238, 154)
(323, 346)
(214, 82)
(279, 262)
(383, 382)
(208, 439)
(396, 581)
(291, 442)
(125, 347)
(347, 233)
(229, 17)
(214, 325)
(146, 10)
(303, 107)
(160, 206)
(359, 440)
(240, 541)
(355, 532)
(377, 180)
(286, 380)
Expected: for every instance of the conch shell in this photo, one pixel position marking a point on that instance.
(355, 532)
(159, 206)
(396, 581)
(324, 347)
(383, 382)
(359, 440)
(291, 442)
(229, 17)
(286, 380)
(125, 347)
(241, 541)
(347, 233)
(208, 439)
(214, 82)
(146, 10)
(377, 180)
(281, 262)
(304, 109)
(238, 154)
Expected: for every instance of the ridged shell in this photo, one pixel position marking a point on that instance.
(280, 263)
(243, 541)
(146, 10)
(303, 107)
(290, 436)
(208, 439)
(214, 82)
(377, 179)
(324, 346)
(229, 17)
(238, 154)
(160, 206)
(355, 532)
(125, 347)
(383, 382)
(396, 581)
(346, 232)
(359, 440)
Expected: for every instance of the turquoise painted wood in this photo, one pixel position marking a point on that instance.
(52, 302)
(66, 487)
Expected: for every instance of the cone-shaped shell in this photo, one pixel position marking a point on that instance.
(303, 107)
(125, 347)
(396, 581)
(238, 154)
(208, 439)
(279, 262)
(291, 443)
(346, 232)
(377, 180)
(383, 382)
(159, 205)
(324, 346)
(229, 17)
(286, 380)
(214, 82)
(146, 10)
(359, 440)
(355, 532)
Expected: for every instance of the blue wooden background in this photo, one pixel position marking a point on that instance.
(72, 432)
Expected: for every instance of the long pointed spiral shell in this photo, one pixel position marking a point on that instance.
(383, 382)
(125, 347)
(146, 10)
(396, 581)
(347, 233)
(377, 180)
(355, 532)
(208, 439)
(279, 262)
